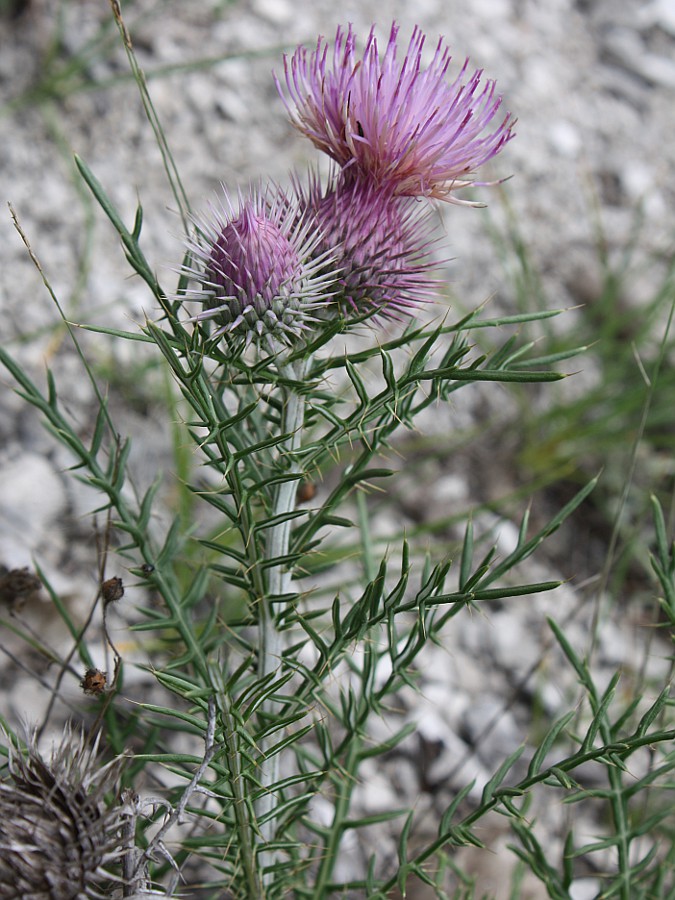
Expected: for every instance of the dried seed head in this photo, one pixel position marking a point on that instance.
(58, 839)
(94, 682)
(112, 590)
(17, 586)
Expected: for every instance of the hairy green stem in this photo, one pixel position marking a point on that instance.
(239, 791)
(278, 583)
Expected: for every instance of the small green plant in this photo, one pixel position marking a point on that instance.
(620, 422)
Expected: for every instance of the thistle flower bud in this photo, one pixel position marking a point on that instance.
(58, 840)
(383, 245)
(258, 269)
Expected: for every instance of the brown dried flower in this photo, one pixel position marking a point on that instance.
(94, 681)
(112, 590)
(58, 838)
(17, 586)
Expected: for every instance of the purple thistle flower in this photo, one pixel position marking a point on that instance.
(395, 123)
(258, 268)
(382, 245)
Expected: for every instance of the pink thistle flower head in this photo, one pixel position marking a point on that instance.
(382, 244)
(258, 269)
(394, 121)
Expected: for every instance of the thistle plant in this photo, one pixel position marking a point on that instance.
(281, 640)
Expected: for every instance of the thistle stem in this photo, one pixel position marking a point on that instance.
(278, 583)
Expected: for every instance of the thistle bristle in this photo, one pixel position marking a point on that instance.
(59, 840)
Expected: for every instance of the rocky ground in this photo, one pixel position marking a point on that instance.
(593, 85)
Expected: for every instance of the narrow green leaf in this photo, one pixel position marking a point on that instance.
(100, 429)
(651, 714)
(391, 742)
(568, 861)
(403, 853)
(659, 528)
(445, 826)
(388, 371)
(453, 373)
(467, 556)
(138, 223)
(500, 775)
(147, 501)
(580, 667)
(547, 743)
(359, 386)
(561, 777)
(273, 521)
(599, 720)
